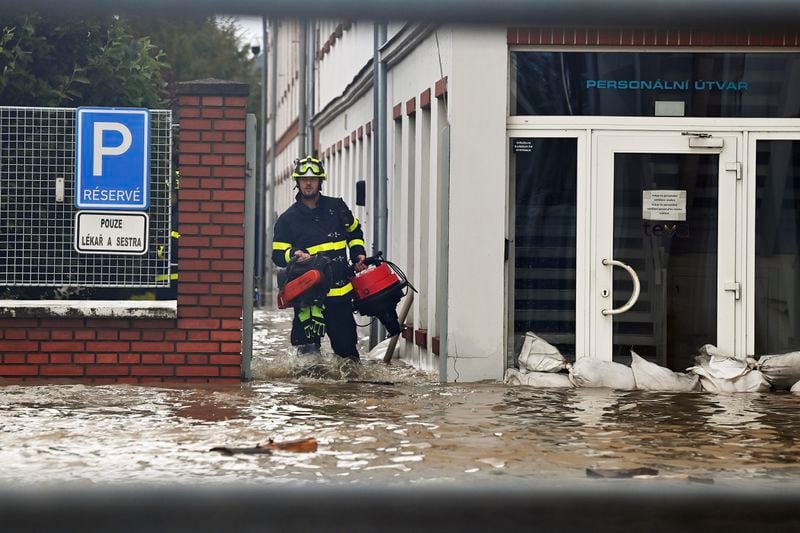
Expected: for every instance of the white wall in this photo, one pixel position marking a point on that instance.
(413, 145)
(478, 95)
(349, 53)
(475, 62)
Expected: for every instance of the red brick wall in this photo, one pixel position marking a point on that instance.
(204, 343)
(612, 37)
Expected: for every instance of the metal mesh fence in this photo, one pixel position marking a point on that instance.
(37, 150)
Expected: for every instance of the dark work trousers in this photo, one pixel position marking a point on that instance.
(340, 326)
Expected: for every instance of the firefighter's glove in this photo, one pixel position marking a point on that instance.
(312, 321)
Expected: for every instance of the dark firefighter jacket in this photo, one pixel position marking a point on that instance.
(328, 229)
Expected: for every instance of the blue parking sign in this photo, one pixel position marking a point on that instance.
(112, 158)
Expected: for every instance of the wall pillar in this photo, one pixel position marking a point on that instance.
(211, 223)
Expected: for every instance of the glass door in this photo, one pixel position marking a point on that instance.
(546, 281)
(663, 262)
(773, 263)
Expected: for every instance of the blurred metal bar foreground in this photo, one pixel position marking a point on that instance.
(692, 14)
(633, 505)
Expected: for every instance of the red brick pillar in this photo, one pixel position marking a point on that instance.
(211, 224)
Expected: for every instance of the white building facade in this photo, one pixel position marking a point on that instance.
(606, 190)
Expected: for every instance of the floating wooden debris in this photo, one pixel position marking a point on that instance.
(308, 445)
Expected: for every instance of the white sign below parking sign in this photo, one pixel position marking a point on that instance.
(112, 163)
(111, 232)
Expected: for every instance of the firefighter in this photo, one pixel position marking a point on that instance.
(321, 225)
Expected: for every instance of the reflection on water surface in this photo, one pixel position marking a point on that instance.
(410, 431)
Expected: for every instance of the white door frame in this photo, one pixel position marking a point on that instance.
(751, 130)
(749, 261)
(605, 145)
(582, 225)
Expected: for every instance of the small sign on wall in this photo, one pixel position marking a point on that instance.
(664, 205)
(522, 145)
(111, 232)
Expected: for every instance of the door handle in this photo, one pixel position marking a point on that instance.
(636, 287)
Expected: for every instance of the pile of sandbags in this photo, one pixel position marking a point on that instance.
(542, 365)
(721, 372)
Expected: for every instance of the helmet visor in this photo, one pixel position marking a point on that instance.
(304, 169)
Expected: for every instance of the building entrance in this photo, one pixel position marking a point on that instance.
(664, 258)
(655, 240)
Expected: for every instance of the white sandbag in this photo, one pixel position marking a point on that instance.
(796, 388)
(782, 371)
(722, 365)
(588, 372)
(650, 376)
(541, 380)
(752, 381)
(538, 355)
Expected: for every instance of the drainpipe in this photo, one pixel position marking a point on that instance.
(379, 163)
(273, 107)
(249, 247)
(302, 121)
(310, 81)
(443, 247)
(263, 266)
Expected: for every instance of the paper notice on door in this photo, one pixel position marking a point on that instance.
(664, 205)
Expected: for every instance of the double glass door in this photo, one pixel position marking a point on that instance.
(655, 241)
(664, 260)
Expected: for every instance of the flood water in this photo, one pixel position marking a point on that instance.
(388, 425)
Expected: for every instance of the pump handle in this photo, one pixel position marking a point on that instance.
(376, 259)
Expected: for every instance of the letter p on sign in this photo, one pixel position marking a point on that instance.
(100, 150)
(112, 159)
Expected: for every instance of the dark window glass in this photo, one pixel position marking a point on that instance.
(630, 84)
(777, 290)
(675, 260)
(545, 199)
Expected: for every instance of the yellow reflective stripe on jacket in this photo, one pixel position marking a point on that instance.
(340, 291)
(165, 277)
(327, 247)
(356, 242)
(174, 234)
(352, 226)
(278, 246)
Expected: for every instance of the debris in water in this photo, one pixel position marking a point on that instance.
(701, 480)
(308, 445)
(231, 451)
(619, 473)
(648, 473)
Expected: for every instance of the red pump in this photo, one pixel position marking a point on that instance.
(378, 290)
(373, 281)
